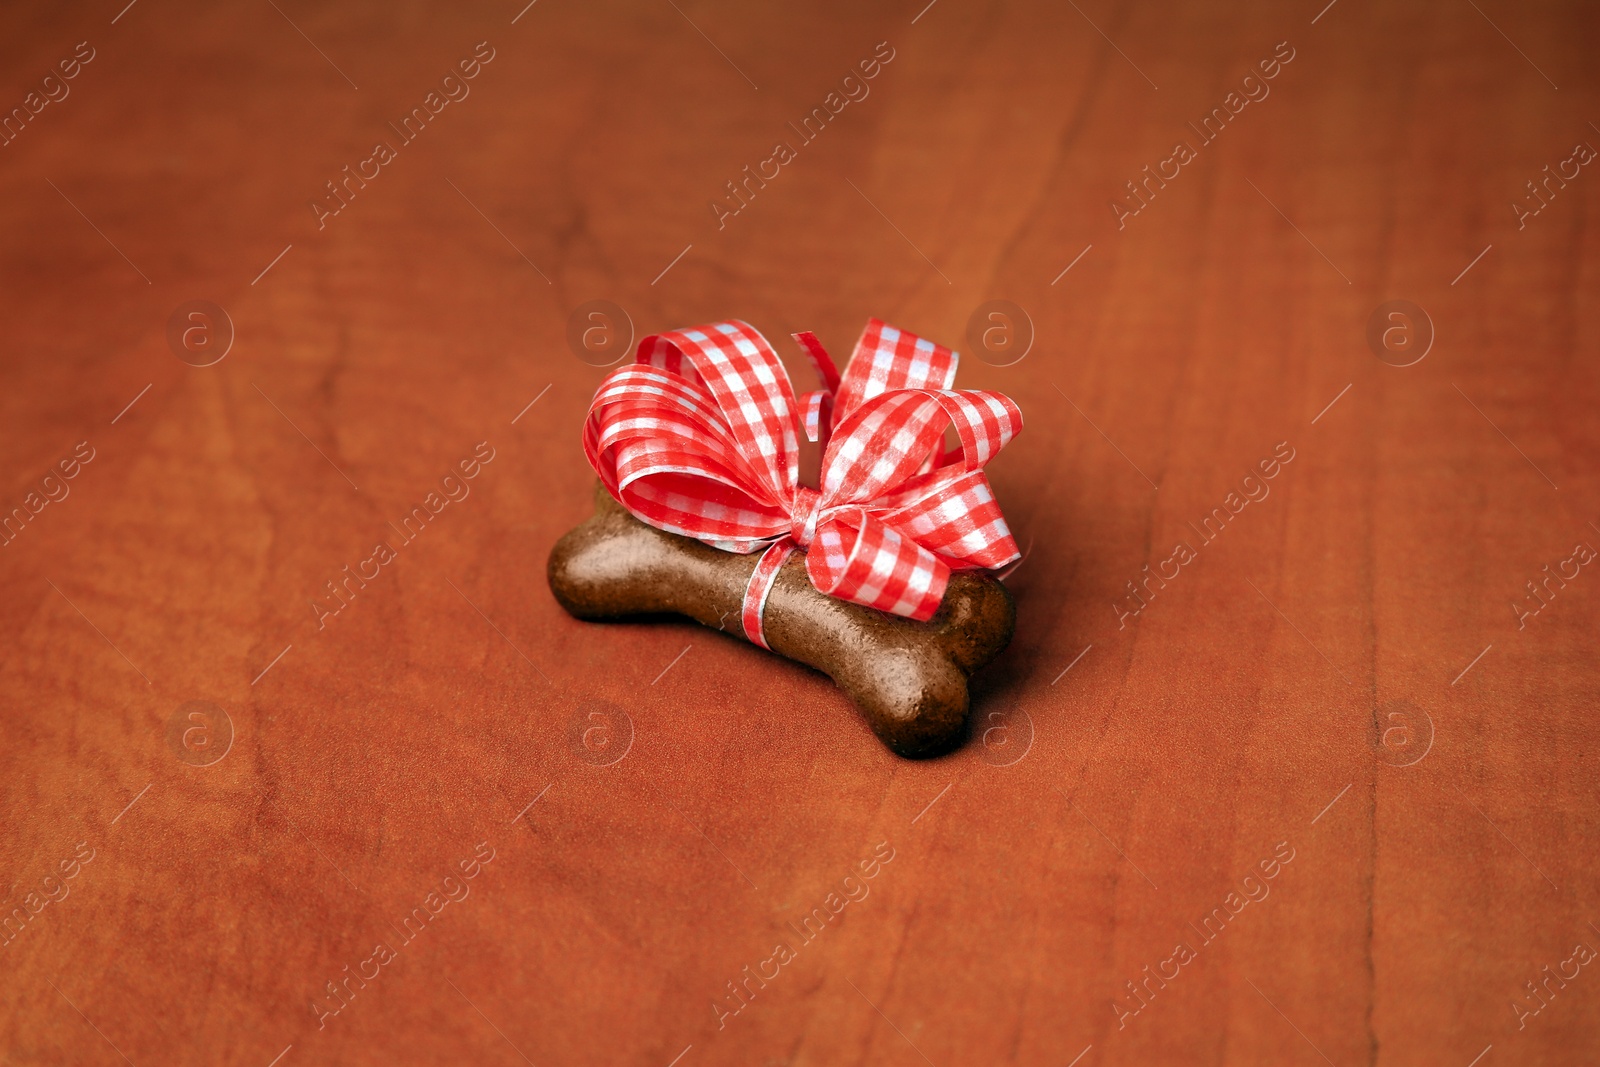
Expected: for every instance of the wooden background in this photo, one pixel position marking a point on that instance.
(1341, 677)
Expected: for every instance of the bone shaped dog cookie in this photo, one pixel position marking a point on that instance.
(701, 512)
(908, 678)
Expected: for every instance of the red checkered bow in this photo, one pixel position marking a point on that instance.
(700, 437)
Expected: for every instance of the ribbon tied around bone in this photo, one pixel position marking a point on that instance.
(699, 436)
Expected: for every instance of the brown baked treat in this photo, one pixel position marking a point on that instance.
(908, 678)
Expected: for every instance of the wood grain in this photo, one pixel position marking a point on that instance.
(1340, 677)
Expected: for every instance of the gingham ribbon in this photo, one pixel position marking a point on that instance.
(700, 437)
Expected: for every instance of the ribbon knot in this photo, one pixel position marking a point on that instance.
(700, 437)
(803, 516)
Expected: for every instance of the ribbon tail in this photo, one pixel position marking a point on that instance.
(818, 405)
(816, 408)
(827, 370)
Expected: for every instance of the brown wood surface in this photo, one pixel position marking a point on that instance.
(1341, 677)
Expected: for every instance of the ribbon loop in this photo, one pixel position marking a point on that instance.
(700, 437)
